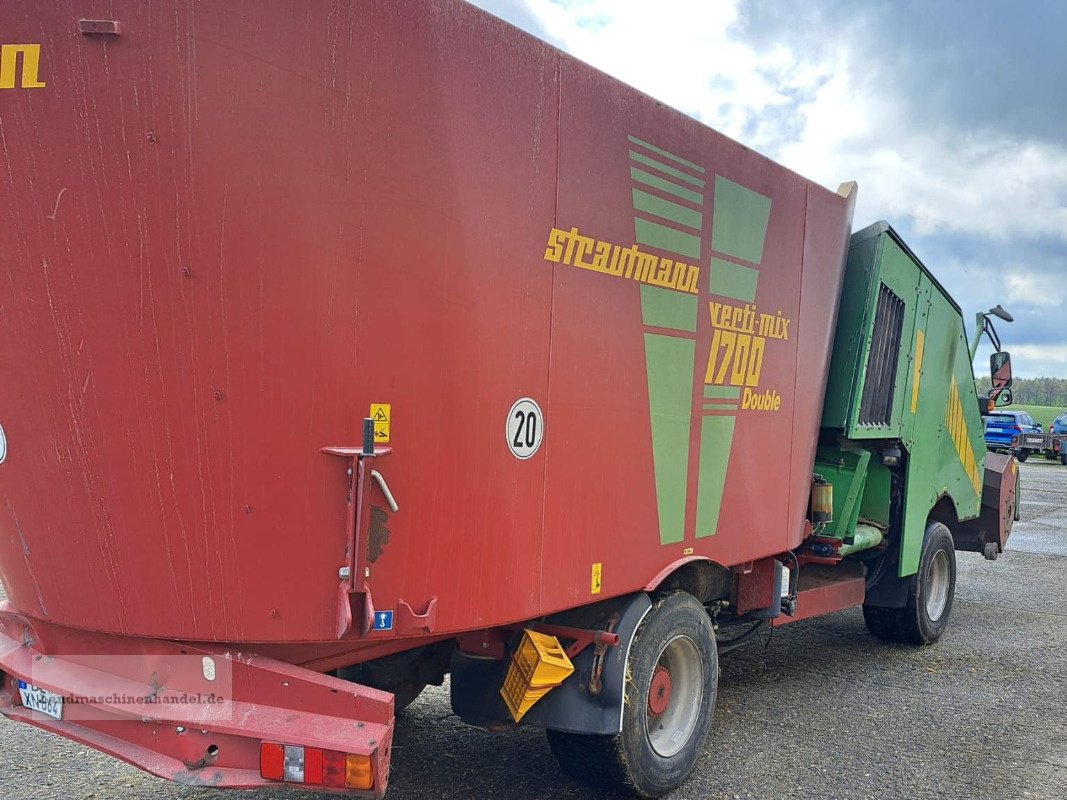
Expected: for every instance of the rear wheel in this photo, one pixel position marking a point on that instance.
(929, 597)
(1022, 455)
(1063, 459)
(672, 677)
(404, 696)
(403, 674)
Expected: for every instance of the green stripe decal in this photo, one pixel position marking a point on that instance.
(716, 436)
(665, 308)
(664, 168)
(683, 215)
(732, 280)
(739, 222)
(656, 182)
(663, 238)
(722, 391)
(665, 154)
(669, 365)
(721, 406)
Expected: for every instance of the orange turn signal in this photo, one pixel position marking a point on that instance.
(358, 773)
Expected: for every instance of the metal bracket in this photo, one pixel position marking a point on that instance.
(352, 570)
(109, 27)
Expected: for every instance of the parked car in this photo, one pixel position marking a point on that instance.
(1013, 432)
(1056, 441)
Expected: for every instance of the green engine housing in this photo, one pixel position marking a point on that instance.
(900, 381)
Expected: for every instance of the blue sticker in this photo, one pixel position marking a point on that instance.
(383, 620)
(22, 684)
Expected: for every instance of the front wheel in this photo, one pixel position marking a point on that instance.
(929, 598)
(671, 679)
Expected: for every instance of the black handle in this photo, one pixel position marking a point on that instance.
(368, 436)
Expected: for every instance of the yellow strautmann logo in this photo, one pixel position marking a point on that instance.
(31, 61)
(957, 429)
(570, 247)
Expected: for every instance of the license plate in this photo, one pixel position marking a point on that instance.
(42, 700)
(1036, 441)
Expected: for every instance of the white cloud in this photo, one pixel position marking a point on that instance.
(680, 52)
(1033, 289)
(1052, 357)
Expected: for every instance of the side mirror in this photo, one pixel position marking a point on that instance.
(1000, 370)
(999, 398)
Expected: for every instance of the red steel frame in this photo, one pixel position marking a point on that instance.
(198, 744)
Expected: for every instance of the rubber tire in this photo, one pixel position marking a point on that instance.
(1063, 459)
(626, 762)
(1022, 455)
(406, 695)
(912, 623)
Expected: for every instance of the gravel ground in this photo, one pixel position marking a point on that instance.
(823, 711)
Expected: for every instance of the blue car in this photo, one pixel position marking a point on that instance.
(1014, 432)
(1059, 425)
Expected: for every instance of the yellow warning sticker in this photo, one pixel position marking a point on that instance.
(381, 414)
(688, 551)
(596, 586)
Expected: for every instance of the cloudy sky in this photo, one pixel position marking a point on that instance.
(951, 115)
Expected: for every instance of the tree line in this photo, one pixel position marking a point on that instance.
(1034, 391)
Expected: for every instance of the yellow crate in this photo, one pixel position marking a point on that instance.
(539, 665)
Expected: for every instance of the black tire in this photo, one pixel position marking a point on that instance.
(404, 696)
(1063, 459)
(1022, 455)
(676, 636)
(404, 687)
(930, 591)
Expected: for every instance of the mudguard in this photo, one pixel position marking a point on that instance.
(475, 682)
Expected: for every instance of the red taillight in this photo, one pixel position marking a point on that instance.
(313, 766)
(271, 761)
(333, 768)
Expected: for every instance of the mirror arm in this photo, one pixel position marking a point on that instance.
(991, 332)
(983, 325)
(979, 328)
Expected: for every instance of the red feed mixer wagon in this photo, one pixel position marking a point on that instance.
(352, 346)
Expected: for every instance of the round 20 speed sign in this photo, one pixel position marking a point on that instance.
(525, 428)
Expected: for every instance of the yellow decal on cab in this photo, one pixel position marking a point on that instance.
(961, 440)
(919, 340)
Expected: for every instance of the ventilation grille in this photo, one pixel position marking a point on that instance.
(876, 405)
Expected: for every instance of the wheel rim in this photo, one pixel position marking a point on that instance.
(937, 586)
(675, 690)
